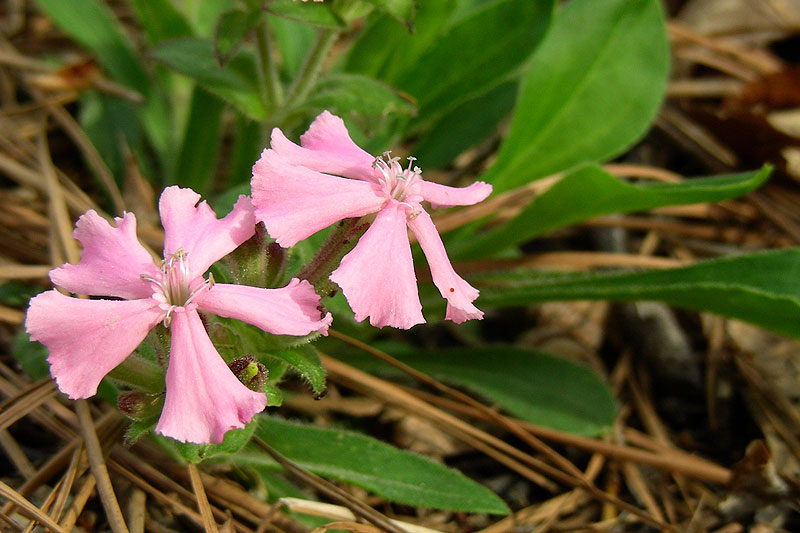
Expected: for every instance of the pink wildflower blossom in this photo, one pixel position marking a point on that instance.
(299, 190)
(86, 339)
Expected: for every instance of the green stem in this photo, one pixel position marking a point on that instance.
(305, 79)
(139, 373)
(271, 89)
(343, 238)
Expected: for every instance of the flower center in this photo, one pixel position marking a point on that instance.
(396, 181)
(175, 287)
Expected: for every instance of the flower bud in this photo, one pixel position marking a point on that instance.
(139, 405)
(250, 372)
(258, 262)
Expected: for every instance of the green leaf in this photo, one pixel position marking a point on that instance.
(233, 441)
(316, 13)
(160, 20)
(385, 51)
(16, 294)
(363, 102)
(590, 90)
(760, 288)
(402, 10)
(589, 191)
(464, 126)
(532, 385)
(197, 159)
(293, 39)
(396, 475)
(195, 58)
(31, 356)
(233, 27)
(305, 361)
(476, 54)
(138, 428)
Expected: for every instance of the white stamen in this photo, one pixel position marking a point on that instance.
(174, 287)
(395, 180)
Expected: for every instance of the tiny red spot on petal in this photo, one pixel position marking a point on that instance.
(452, 289)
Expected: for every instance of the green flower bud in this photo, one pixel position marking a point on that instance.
(139, 405)
(250, 372)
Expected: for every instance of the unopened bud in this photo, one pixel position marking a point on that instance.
(277, 262)
(258, 262)
(250, 372)
(139, 405)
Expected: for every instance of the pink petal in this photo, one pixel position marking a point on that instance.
(291, 310)
(295, 202)
(326, 147)
(377, 276)
(86, 339)
(204, 399)
(195, 228)
(111, 262)
(444, 196)
(459, 293)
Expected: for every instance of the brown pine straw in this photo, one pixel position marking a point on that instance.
(667, 460)
(137, 510)
(28, 508)
(202, 501)
(24, 271)
(482, 441)
(25, 401)
(675, 461)
(16, 455)
(99, 470)
(567, 261)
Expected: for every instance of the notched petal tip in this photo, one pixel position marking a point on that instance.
(377, 276)
(86, 339)
(112, 260)
(290, 310)
(204, 399)
(195, 228)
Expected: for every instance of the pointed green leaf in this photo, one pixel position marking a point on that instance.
(760, 288)
(316, 13)
(160, 20)
(465, 126)
(402, 10)
(385, 50)
(305, 361)
(532, 385)
(195, 58)
(232, 29)
(370, 107)
(589, 191)
(590, 91)
(232, 442)
(396, 475)
(476, 54)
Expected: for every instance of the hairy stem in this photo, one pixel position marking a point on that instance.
(271, 89)
(308, 73)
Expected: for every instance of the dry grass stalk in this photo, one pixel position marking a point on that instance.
(202, 501)
(27, 508)
(503, 452)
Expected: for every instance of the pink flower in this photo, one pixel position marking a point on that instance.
(86, 339)
(297, 191)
